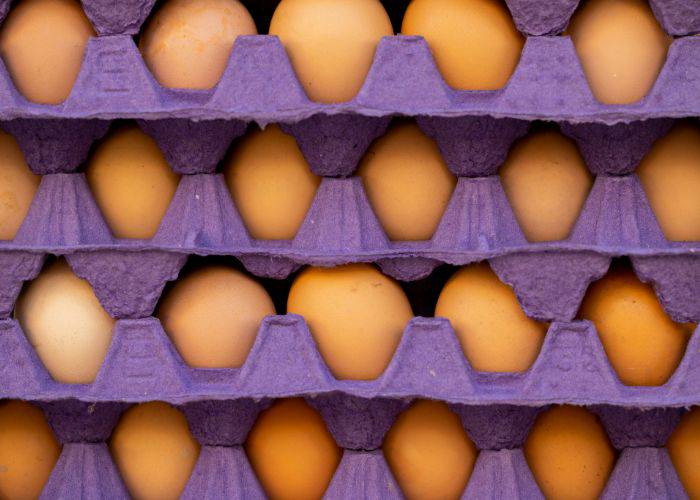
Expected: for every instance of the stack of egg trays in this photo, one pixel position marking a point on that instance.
(474, 131)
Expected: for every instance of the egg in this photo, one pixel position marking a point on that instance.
(492, 328)
(42, 43)
(684, 449)
(670, 175)
(18, 186)
(547, 183)
(213, 314)
(621, 47)
(187, 43)
(356, 316)
(642, 343)
(569, 453)
(154, 451)
(28, 450)
(407, 182)
(331, 43)
(474, 42)
(131, 182)
(291, 451)
(65, 323)
(270, 183)
(429, 452)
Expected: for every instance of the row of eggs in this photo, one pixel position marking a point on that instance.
(356, 316)
(294, 456)
(331, 44)
(405, 178)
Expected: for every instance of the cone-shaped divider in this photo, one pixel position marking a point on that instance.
(678, 87)
(497, 427)
(541, 17)
(677, 17)
(643, 473)
(684, 384)
(408, 268)
(121, 18)
(502, 474)
(638, 427)
(15, 269)
(363, 474)
(222, 422)
(75, 421)
(22, 372)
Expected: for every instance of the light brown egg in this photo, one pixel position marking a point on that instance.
(474, 42)
(642, 343)
(547, 183)
(271, 183)
(429, 452)
(131, 182)
(154, 451)
(684, 449)
(42, 43)
(621, 47)
(28, 450)
(187, 43)
(66, 324)
(670, 174)
(291, 451)
(331, 43)
(407, 182)
(18, 186)
(495, 333)
(213, 315)
(356, 315)
(569, 454)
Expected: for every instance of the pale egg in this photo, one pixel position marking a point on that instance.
(18, 186)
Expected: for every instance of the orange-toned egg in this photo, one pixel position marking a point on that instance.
(429, 453)
(475, 43)
(291, 451)
(271, 183)
(28, 450)
(331, 43)
(407, 182)
(42, 43)
(547, 183)
(684, 449)
(154, 451)
(670, 174)
(18, 186)
(66, 324)
(187, 43)
(642, 343)
(621, 47)
(132, 183)
(213, 315)
(356, 315)
(569, 453)
(495, 333)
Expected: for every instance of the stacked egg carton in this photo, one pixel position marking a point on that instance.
(474, 131)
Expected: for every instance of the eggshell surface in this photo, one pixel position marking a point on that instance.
(684, 450)
(492, 328)
(18, 186)
(291, 451)
(213, 315)
(356, 316)
(65, 323)
(187, 43)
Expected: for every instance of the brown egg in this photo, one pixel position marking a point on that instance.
(187, 43)
(42, 43)
(621, 47)
(474, 42)
(684, 449)
(331, 43)
(131, 182)
(17, 187)
(65, 323)
(271, 183)
(213, 315)
(291, 451)
(569, 454)
(356, 315)
(547, 183)
(154, 451)
(495, 333)
(670, 174)
(429, 452)
(642, 343)
(407, 182)
(28, 450)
